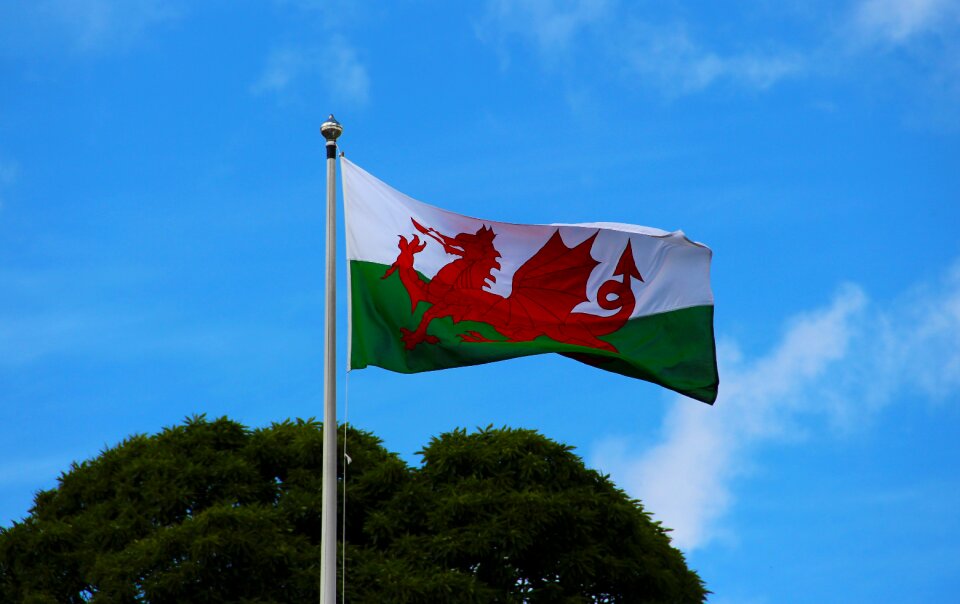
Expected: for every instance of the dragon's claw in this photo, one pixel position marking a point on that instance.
(474, 337)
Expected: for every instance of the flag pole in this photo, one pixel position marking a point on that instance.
(330, 129)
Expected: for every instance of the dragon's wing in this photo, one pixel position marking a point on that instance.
(554, 280)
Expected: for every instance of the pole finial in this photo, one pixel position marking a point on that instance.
(331, 129)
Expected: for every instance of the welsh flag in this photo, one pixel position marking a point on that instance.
(430, 289)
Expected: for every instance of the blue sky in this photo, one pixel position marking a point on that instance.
(161, 245)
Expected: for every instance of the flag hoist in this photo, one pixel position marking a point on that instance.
(331, 130)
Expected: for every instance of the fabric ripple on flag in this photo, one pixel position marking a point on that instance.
(431, 289)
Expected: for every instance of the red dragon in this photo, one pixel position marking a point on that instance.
(546, 289)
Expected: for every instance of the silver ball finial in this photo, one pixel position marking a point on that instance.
(331, 129)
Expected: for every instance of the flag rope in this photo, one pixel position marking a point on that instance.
(346, 462)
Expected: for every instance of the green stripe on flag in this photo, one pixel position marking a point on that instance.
(674, 349)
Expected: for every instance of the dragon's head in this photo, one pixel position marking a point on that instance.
(477, 248)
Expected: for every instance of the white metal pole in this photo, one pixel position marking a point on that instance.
(330, 129)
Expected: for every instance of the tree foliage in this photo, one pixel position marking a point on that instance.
(209, 511)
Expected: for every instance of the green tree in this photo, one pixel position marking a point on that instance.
(523, 520)
(210, 511)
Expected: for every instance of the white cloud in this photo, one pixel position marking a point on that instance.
(662, 56)
(843, 359)
(552, 24)
(897, 21)
(922, 36)
(672, 61)
(918, 342)
(82, 25)
(640, 43)
(337, 67)
(348, 74)
(283, 67)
